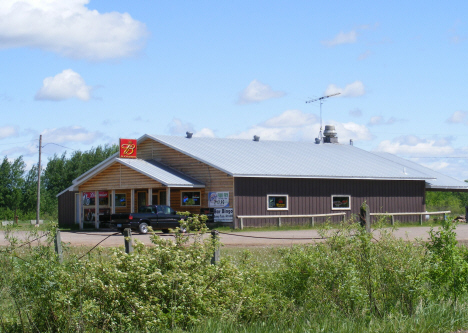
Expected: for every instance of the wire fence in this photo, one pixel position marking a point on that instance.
(11, 249)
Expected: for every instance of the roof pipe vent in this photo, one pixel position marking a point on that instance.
(330, 134)
(189, 135)
(256, 138)
(351, 143)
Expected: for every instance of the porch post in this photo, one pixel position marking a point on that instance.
(132, 199)
(113, 202)
(96, 209)
(150, 196)
(80, 210)
(168, 196)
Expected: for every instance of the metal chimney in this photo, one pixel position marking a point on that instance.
(189, 135)
(330, 134)
(256, 138)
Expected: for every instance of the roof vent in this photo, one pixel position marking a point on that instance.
(256, 138)
(330, 134)
(351, 143)
(189, 134)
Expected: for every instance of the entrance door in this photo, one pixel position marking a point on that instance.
(155, 199)
(141, 199)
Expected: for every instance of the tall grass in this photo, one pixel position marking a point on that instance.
(350, 283)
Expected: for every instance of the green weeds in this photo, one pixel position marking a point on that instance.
(351, 282)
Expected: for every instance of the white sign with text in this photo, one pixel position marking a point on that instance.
(223, 214)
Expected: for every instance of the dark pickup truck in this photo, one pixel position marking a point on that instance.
(159, 217)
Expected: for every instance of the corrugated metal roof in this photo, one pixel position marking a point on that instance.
(266, 158)
(160, 172)
(440, 180)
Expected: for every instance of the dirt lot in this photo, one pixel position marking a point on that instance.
(236, 239)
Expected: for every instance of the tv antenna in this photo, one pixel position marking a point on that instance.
(321, 101)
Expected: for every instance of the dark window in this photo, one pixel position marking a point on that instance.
(341, 202)
(277, 201)
(120, 200)
(190, 198)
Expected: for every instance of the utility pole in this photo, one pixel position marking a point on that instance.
(39, 182)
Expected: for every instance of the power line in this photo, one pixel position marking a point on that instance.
(53, 143)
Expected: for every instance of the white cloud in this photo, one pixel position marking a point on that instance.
(256, 92)
(205, 132)
(379, 120)
(342, 38)
(294, 125)
(439, 165)
(364, 55)
(457, 117)
(179, 127)
(71, 134)
(291, 118)
(65, 85)
(69, 28)
(415, 146)
(7, 131)
(354, 89)
(355, 113)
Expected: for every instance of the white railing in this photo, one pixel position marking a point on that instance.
(279, 217)
(392, 215)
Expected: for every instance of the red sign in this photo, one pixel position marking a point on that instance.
(128, 148)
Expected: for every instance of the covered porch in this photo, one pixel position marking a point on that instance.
(123, 185)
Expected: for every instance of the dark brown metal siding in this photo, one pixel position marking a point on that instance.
(66, 209)
(313, 196)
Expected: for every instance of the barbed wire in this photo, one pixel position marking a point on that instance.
(24, 244)
(117, 233)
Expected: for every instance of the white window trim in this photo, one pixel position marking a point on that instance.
(181, 199)
(340, 195)
(277, 195)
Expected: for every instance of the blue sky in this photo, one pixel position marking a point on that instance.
(84, 73)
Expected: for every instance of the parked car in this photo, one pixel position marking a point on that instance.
(158, 217)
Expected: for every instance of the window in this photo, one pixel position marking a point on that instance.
(277, 201)
(340, 202)
(190, 198)
(120, 200)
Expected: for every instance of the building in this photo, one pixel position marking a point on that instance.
(250, 177)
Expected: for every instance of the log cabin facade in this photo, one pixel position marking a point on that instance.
(249, 177)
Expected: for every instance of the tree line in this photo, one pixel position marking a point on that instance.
(18, 186)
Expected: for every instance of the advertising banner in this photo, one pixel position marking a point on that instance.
(128, 148)
(88, 198)
(218, 199)
(224, 214)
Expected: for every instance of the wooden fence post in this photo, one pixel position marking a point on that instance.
(58, 246)
(365, 216)
(421, 219)
(279, 222)
(216, 254)
(128, 240)
(393, 219)
(241, 223)
(312, 221)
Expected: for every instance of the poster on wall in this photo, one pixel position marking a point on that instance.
(218, 199)
(223, 214)
(90, 200)
(128, 148)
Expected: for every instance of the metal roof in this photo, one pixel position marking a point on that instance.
(160, 172)
(440, 181)
(286, 159)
